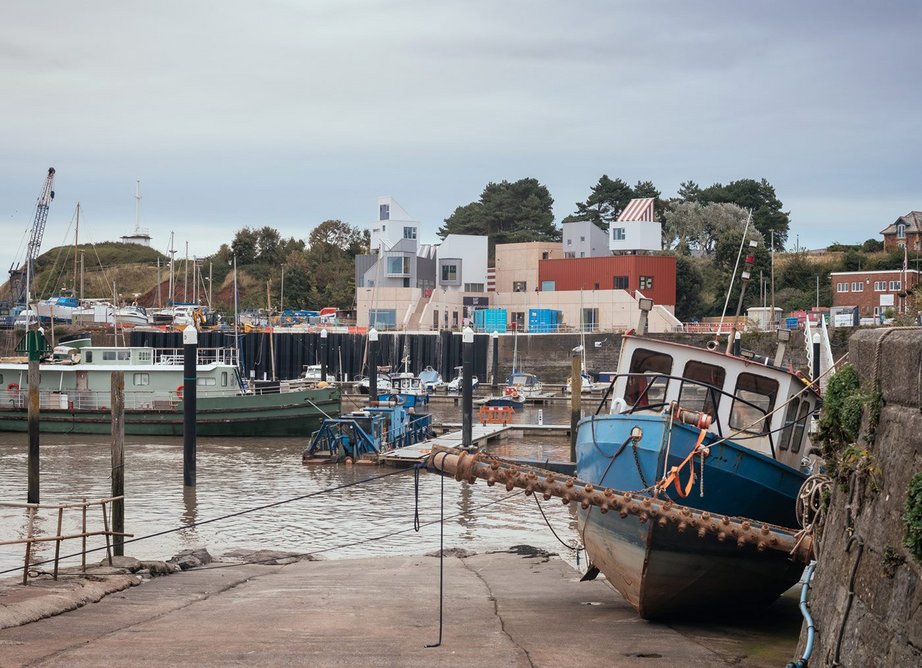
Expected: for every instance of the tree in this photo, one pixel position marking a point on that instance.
(605, 203)
(689, 191)
(691, 227)
(688, 283)
(507, 213)
(760, 198)
(268, 241)
(245, 246)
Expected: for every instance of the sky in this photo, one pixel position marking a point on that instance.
(291, 112)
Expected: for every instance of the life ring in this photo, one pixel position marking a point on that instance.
(510, 391)
(12, 388)
(398, 399)
(179, 390)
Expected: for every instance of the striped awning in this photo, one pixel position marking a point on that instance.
(639, 209)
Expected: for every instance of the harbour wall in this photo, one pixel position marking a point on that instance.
(866, 594)
(546, 355)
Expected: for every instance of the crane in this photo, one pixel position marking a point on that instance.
(20, 278)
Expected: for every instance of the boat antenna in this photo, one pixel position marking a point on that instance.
(733, 276)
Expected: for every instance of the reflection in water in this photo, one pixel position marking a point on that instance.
(236, 474)
(190, 511)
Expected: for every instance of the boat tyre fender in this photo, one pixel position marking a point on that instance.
(397, 399)
(179, 390)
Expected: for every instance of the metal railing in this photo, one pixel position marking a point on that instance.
(31, 538)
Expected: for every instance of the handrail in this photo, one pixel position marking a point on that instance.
(59, 537)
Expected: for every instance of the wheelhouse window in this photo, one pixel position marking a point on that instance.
(694, 395)
(224, 379)
(141, 379)
(795, 423)
(652, 389)
(755, 398)
(207, 381)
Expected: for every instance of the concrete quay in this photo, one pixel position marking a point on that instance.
(517, 608)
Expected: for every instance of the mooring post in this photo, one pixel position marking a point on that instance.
(467, 385)
(372, 364)
(323, 355)
(34, 344)
(190, 355)
(576, 390)
(118, 461)
(494, 337)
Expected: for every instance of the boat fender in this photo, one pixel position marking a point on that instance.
(12, 388)
(619, 405)
(712, 345)
(179, 389)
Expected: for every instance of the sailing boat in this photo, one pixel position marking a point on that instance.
(586, 383)
(526, 384)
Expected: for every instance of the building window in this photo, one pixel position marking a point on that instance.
(409, 232)
(646, 282)
(141, 379)
(569, 242)
(880, 286)
(473, 287)
(548, 286)
(582, 254)
(582, 239)
(518, 320)
(902, 244)
(382, 318)
(620, 282)
(569, 254)
(617, 234)
(384, 212)
(519, 286)
(545, 255)
(857, 286)
(896, 285)
(384, 228)
(901, 231)
(841, 287)
(590, 320)
(449, 273)
(398, 265)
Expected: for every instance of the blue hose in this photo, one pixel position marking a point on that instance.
(804, 609)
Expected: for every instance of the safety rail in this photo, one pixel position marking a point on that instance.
(174, 356)
(30, 539)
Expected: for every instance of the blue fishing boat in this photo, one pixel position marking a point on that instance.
(511, 397)
(405, 389)
(708, 431)
(366, 433)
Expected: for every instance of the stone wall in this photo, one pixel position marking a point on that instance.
(866, 597)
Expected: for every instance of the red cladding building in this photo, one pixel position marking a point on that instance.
(653, 275)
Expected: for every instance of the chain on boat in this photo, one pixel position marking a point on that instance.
(465, 466)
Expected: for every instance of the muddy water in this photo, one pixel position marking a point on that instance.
(238, 474)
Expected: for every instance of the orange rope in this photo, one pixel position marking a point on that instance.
(672, 478)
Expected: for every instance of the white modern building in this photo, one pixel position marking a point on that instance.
(462, 263)
(636, 229)
(584, 239)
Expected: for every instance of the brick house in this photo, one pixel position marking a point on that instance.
(873, 292)
(905, 232)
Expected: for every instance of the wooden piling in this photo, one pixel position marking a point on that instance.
(118, 461)
(576, 389)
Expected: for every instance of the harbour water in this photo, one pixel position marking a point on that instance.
(239, 474)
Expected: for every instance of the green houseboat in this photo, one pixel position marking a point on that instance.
(75, 395)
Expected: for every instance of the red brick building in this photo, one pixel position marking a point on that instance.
(653, 275)
(906, 232)
(873, 292)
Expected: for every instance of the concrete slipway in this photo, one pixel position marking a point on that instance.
(518, 608)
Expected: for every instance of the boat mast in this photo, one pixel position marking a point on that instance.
(185, 280)
(76, 236)
(172, 253)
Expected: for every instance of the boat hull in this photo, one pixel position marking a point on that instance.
(662, 571)
(286, 414)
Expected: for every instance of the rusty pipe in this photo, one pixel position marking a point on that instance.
(468, 467)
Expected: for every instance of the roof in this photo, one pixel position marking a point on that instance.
(639, 209)
(912, 221)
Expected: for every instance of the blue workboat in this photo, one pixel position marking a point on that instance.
(707, 430)
(366, 433)
(405, 389)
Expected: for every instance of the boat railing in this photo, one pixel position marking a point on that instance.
(644, 401)
(175, 356)
(90, 400)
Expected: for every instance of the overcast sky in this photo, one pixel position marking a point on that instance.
(290, 112)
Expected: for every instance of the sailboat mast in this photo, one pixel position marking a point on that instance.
(76, 236)
(172, 252)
